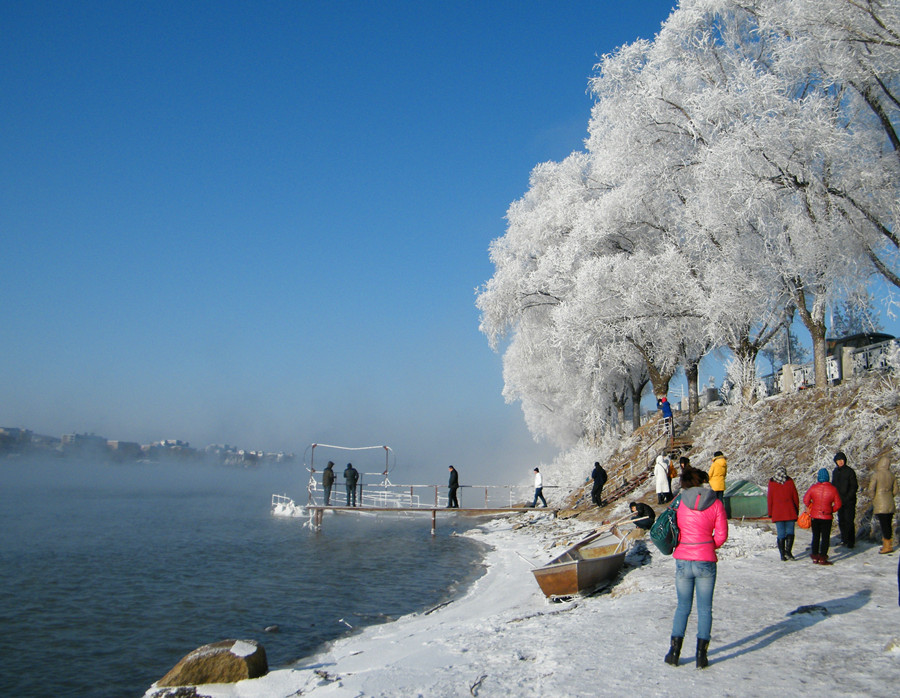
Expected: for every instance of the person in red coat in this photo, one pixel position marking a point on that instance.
(783, 506)
(822, 500)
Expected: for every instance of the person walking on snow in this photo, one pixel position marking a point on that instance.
(351, 477)
(703, 529)
(883, 490)
(452, 501)
(661, 478)
(843, 478)
(717, 472)
(822, 500)
(783, 508)
(599, 477)
(538, 489)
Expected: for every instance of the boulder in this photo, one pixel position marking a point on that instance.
(221, 662)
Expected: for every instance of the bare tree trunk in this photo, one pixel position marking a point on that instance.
(659, 377)
(636, 392)
(692, 373)
(814, 321)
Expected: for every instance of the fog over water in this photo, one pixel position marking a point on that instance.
(112, 572)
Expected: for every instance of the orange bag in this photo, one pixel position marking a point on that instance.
(804, 520)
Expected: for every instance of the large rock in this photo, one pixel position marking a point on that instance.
(221, 662)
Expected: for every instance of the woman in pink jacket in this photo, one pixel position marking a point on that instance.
(703, 528)
(822, 500)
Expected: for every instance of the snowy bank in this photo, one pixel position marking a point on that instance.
(504, 637)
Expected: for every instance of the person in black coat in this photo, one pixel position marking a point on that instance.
(844, 479)
(452, 501)
(599, 477)
(351, 477)
(328, 481)
(642, 515)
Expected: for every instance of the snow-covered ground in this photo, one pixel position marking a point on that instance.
(504, 638)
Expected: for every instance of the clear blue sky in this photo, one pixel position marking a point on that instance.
(264, 223)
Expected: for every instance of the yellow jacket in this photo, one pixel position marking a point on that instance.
(717, 474)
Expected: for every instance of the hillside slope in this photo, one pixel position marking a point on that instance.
(801, 431)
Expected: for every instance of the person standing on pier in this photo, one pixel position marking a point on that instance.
(328, 481)
(538, 489)
(351, 477)
(452, 501)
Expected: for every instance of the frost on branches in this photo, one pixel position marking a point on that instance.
(740, 168)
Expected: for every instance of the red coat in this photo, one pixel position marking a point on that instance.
(784, 501)
(822, 500)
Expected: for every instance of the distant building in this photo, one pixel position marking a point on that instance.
(124, 450)
(83, 443)
(14, 440)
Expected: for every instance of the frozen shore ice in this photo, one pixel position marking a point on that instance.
(502, 636)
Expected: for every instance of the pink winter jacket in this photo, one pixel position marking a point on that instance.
(702, 525)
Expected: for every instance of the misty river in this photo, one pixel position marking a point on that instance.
(111, 573)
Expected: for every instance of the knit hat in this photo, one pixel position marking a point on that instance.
(823, 475)
(780, 475)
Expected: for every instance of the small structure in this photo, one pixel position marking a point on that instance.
(745, 499)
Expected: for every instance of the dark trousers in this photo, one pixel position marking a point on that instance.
(887, 525)
(821, 536)
(538, 493)
(846, 524)
(351, 495)
(327, 494)
(597, 495)
(452, 501)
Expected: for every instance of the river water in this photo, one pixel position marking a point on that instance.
(110, 573)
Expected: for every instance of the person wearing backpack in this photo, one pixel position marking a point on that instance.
(703, 528)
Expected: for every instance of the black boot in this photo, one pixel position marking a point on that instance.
(674, 651)
(788, 544)
(781, 549)
(702, 646)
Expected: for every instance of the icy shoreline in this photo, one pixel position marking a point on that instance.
(503, 636)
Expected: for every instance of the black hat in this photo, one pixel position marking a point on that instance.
(840, 456)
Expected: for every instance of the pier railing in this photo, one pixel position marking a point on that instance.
(379, 492)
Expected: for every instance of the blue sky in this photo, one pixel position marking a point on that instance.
(264, 223)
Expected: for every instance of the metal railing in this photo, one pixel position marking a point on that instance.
(381, 493)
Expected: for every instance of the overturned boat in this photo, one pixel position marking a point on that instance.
(583, 567)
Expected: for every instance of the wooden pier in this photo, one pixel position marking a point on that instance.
(316, 512)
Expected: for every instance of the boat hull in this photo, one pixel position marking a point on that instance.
(582, 568)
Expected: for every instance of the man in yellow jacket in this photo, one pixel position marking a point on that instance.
(717, 474)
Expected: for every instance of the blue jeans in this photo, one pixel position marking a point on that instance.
(691, 576)
(783, 529)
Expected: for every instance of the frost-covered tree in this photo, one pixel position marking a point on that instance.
(740, 167)
(855, 315)
(851, 48)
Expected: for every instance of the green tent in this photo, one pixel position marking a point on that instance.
(745, 499)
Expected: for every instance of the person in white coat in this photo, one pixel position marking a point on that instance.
(661, 476)
(538, 489)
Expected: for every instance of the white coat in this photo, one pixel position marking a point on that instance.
(661, 475)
